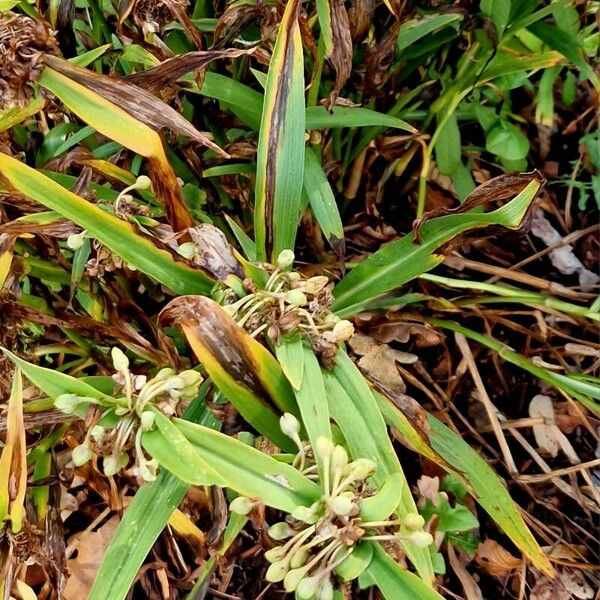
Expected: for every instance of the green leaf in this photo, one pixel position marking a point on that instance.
(175, 453)
(568, 45)
(498, 12)
(278, 192)
(412, 31)
(356, 563)
(290, 354)
(322, 202)
(249, 471)
(54, 383)
(507, 141)
(383, 503)
(393, 581)
(318, 117)
(403, 260)
(489, 490)
(448, 147)
(117, 235)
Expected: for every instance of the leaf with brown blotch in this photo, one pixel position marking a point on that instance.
(496, 560)
(134, 100)
(360, 16)
(335, 29)
(172, 69)
(213, 251)
(280, 151)
(244, 370)
(7, 244)
(13, 461)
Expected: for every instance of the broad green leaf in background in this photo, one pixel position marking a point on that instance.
(404, 259)
(117, 235)
(506, 141)
(280, 153)
(412, 31)
(322, 202)
(448, 147)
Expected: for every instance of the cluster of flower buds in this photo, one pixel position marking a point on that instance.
(317, 539)
(123, 419)
(290, 303)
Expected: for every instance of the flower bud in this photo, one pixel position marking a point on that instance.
(413, 522)
(241, 505)
(81, 454)
(147, 420)
(75, 240)
(324, 447)
(143, 182)
(191, 378)
(343, 330)
(280, 531)
(112, 464)
(339, 458)
(296, 297)
(290, 426)
(285, 259)
(97, 433)
(293, 578)
(120, 361)
(163, 374)
(307, 588)
(341, 505)
(275, 554)
(361, 468)
(325, 590)
(315, 284)
(299, 558)
(306, 514)
(148, 470)
(277, 571)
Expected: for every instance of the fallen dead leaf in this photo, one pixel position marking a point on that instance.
(545, 435)
(378, 361)
(568, 585)
(84, 567)
(496, 560)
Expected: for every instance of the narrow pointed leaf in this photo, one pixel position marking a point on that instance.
(247, 374)
(280, 154)
(117, 235)
(404, 259)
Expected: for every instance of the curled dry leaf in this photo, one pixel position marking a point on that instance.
(378, 361)
(496, 560)
(424, 336)
(340, 53)
(469, 585)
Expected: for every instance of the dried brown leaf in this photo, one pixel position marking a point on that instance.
(495, 560)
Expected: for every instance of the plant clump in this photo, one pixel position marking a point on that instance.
(317, 539)
(119, 422)
(291, 303)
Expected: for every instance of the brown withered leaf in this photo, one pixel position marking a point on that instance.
(233, 21)
(134, 100)
(341, 53)
(360, 16)
(379, 59)
(495, 560)
(469, 585)
(91, 546)
(568, 585)
(213, 251)
(172, 69)
(424, 336)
